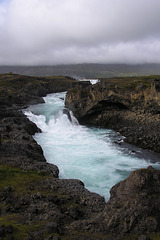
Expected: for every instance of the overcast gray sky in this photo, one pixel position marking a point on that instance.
(49, 32)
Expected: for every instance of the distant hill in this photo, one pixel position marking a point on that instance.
(85, 70)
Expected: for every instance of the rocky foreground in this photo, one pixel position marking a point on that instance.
(36, 204)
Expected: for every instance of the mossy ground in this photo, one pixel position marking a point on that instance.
(20, 231)
(131, 82)
(14, 83)
(18, 179)
(155, 236)
(18, 184)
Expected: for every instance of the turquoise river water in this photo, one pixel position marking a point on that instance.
(81, 152)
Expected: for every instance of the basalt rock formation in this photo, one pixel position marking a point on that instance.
(35, 204)
(132, 211)
(130, 106)
(17, 92)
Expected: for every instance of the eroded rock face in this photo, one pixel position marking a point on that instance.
(129, 106)
(137, 200)
(133, 208)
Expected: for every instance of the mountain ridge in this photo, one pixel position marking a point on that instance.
(86, 70)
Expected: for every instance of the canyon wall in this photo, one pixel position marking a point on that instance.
(130, 106)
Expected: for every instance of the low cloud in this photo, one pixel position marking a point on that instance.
(47, 32)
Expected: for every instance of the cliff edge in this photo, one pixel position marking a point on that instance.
(130, 106)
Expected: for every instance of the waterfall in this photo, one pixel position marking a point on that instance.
(85, 153)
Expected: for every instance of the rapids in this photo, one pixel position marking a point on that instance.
(81, 152)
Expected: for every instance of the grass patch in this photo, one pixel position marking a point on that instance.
(87, 235)
(19, 184)
(155, 236)
(14, 83)
(130, 237)
(4, 140)
(131, 82)
(20, 231)
(18, 179)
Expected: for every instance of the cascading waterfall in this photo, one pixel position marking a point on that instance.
(81, 152)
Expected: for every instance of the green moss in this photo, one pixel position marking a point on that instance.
(130, 82)
(14, 83)
(61, 77)
(4, 140)
(86, 235)
(21, 231)
(130, 237)
(18, 179)
(75, 235)
(21, 183)
(155, 236)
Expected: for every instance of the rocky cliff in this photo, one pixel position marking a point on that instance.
(130, 106)
(132, 211)
(35, 204)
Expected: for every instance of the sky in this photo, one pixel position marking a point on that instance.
(51, 32)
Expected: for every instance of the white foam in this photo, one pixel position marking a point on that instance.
(92, 81)
(80, 152)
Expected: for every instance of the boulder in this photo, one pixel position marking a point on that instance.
(134, 205)
(66, 111)
(132, 211)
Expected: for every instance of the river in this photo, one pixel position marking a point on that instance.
(81, 152)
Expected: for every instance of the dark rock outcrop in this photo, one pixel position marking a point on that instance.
(35, 204)
(66, 111)
(66, 209)
(133, 208)
(128, 105)
(17, 147)
(137, 199)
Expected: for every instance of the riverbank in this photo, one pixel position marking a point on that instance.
(36, 204)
